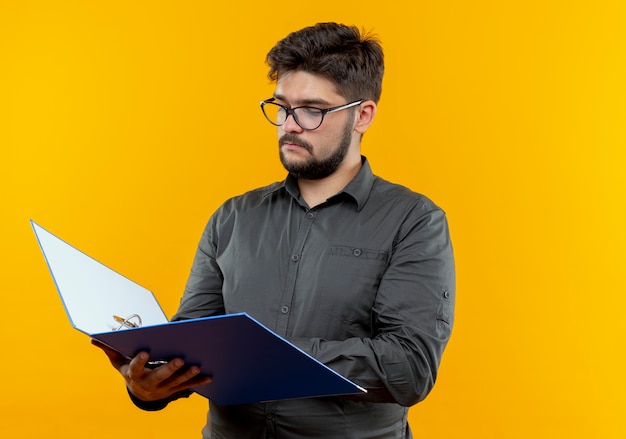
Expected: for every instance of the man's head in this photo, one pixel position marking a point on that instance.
(352, 61)
(328, 80)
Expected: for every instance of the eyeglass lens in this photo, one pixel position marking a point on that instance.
(307, 117)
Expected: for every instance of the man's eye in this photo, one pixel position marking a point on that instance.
(310, 111)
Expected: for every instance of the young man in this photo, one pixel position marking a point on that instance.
(354, 270)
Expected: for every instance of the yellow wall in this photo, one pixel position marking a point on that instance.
(124, 124)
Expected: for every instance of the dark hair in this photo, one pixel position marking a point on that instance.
(353, 61)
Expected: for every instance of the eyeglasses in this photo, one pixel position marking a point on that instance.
(307, 118)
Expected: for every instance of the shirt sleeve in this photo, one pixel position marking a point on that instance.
(412, 318)
(203, 292)
(153, 406)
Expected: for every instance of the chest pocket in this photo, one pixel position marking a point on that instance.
(360, 253)
(350, 286)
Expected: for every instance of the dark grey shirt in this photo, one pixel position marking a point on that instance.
(363, 282)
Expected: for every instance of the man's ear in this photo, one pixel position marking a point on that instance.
(365, 116)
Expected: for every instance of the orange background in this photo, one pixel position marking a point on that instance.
(123, 125)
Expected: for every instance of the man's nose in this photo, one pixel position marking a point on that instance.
(291, 126)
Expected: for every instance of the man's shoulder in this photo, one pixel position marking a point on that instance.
(254, 197)
(385, 191)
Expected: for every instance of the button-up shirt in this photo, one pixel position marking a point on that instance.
(363, 282)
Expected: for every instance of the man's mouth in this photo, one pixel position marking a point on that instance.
(294, 144)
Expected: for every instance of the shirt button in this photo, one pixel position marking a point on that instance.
(284, 309)
(310, 215)
(295, 258)
(446, 295)
(357, 252)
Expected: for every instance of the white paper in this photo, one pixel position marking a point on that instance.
(91, 292)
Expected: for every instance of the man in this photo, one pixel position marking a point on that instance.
(354, 270)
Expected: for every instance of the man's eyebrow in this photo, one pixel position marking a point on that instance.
(301, 102)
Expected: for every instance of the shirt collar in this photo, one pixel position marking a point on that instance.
(358, 189)
(361, 185)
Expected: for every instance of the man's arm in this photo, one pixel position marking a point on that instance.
(203, 291)
(154, 388)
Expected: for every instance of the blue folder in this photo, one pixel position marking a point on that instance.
(248, 362)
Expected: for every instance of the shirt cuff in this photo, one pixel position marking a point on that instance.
(159, 404)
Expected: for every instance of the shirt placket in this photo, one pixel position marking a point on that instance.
(294, 264)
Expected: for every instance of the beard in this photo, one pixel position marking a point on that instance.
(316, 169)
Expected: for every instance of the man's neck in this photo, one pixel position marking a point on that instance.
(316, 192)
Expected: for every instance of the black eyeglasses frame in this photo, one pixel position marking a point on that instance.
(291, 111)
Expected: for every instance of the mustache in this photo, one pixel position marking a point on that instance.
(292, 138)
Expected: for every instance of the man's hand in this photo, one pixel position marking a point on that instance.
(149, 384)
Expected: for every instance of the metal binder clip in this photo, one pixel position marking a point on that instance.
(132, 321)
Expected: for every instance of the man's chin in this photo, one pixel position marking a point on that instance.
(294, 164)
(296, 169)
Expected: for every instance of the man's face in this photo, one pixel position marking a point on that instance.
(313, 154)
